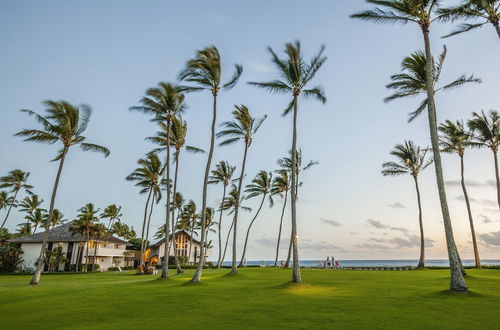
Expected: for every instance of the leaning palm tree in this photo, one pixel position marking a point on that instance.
(411, 159)
(164, 103)
(229, 204)
(280, 187)
(486, 11)
(242, 128)
(223, 173)
(455, 139)
(296, 74)
(261, 186)
(486, 132)
(83, 225)
(204, 71)
(422, 13)
(148, 178)
(16, 181)
(174, 135)
(412, 81)
(64, 123)
(29, 204)
(113, 213)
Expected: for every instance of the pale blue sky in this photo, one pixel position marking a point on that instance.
(107, 53)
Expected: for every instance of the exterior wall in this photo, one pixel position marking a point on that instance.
(195, 250)
(31, 252)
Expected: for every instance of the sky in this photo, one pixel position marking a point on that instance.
(107, 53)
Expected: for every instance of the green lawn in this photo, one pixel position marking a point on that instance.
(257, 298)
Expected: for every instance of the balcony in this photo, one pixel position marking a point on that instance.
(106, 252)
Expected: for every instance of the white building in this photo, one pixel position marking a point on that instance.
(108, 252)
(185, 245)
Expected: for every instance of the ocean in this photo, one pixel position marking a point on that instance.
(375, 263)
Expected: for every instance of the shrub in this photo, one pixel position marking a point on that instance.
(182, 260)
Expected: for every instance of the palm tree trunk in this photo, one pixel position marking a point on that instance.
(469, 212)
(497, 176)
(457, 282)
(10, 207)
(141, 259)
(234, 269)
(95, 254)
(146, 241)
(174, 244)
(248, 230)
(219, 260)
(421, 261)
(227, 241)
(296, 276)
(497, 27)
(191, 245)
(289, 256)
(39, 268)
(87, 251)
(279, 233)
(164, 271)
(197, 275)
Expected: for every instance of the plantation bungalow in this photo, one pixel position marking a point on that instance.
(111, 251)
(183, 245)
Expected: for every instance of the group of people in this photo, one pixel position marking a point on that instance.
(331, 263)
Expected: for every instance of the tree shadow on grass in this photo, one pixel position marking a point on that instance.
(459, 294)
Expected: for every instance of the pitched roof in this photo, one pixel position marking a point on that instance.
(177, 233)
(62, 234)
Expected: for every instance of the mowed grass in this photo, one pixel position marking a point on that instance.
(254, 299)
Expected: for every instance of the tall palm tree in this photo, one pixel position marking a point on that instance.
(113, 213)
(64, 123)
(97, 231)
(280, 187)
(229, 205)
(29, 204)
(296, 74)
(204, 72)
(85, 221)
(5, 199)
(411, 159)
(174, 135)
(486, 132)
(487, 11)
(412, 81)
(189, 218)
(261, 186)
(24, 229)
(242, 128)
(16, 181)
(148, 177)
(177, 203)
(422, 13)
(455, 139)
(223, 173)
(164, 103)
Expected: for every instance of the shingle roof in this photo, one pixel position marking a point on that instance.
(177, 233)
(62, 234)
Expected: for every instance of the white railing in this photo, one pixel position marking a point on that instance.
(106, 252)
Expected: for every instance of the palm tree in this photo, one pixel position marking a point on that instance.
(412, 81)
(296, 75)
(223, 173)
(261, 186)
(24, 229)
(57, 219)
(421, 12)
(189, 221)
(97, 231)
(487, 11)
(5, 199)
(164, 103)
(281, 186)
(29, 204)
(175, 136)
(486, 132)
(229, 204)
(204, 71)
(64, 123)
(113, 213)
(16, 181)
(455, 139)
(148, 179)
(242, 128)
(411, 159)
(37, 217)
(83, 225)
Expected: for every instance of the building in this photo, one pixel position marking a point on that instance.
(108, 252)
(183, 245)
